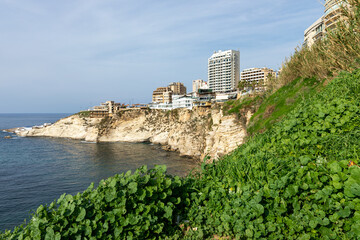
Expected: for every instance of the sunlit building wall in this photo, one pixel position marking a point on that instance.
(332, 14)
(224, 70)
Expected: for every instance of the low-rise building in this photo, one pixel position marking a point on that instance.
(178, 101)
(223, 97)
(198, 84)
(183, 101)
(162, 95)
(206, 95)
(163, 106)
(106, 109)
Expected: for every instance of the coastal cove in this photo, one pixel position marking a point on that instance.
(36, 171)
(197, 133)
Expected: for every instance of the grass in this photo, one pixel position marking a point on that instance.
(338, 51)
(284, 100)
(84, 113)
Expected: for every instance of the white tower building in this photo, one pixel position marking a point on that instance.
(224, 70)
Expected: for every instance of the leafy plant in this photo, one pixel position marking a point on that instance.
(143, 205)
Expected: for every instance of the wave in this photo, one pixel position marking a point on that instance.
(87, 142)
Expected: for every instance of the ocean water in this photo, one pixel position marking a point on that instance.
(35, 171)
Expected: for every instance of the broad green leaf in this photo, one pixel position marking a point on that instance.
(81, 215)
(168, 212)
(132, 187)
(335, 167)
(50, 235)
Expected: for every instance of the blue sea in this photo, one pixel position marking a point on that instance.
(35, 171)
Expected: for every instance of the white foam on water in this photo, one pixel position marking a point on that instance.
(87, 142)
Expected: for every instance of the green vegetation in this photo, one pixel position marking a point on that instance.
(236, 106)
(143, 205)
(292, 182)
(84, 113)
(297, 180)
(283, 101)
(271, 108)
(338, 51)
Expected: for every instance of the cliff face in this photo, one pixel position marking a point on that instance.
(195, 133)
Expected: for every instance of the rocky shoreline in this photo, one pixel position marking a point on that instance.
(195, 133)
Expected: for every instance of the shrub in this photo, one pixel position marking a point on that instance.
(143, 205)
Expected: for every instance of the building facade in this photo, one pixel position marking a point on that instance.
(106, 109)
(181, 101)
(257, 77)
(177, 88)
(332, 14)
(314, 32)
(198, 84)
(224, 70)
(162, 95)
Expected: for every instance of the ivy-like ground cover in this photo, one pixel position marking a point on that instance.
(292, 182)
(142, 205)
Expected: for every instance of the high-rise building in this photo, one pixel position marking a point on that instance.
(224, 70)
(332, 14)
(314, 32)
(177, 88)
(257, 77)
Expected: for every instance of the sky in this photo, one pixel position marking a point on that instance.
(66, 56)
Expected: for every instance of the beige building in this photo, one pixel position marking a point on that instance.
(177, 88)
(162, 95)
(198, 84)
(106, 109)
(314, 32)
(327, 22)
(224, 70)
(257, 77)
(332, 13)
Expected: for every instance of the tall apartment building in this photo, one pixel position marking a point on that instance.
(177, 88)
(224, 70)
(162, 95)
(332, 14)
(257, 77)
(314, 32)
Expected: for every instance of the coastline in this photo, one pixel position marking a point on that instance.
(193, 133)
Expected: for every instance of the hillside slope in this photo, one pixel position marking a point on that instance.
(298, 180)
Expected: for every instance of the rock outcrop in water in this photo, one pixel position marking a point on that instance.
(196, 133)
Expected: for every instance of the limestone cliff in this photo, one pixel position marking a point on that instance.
(194, 133)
